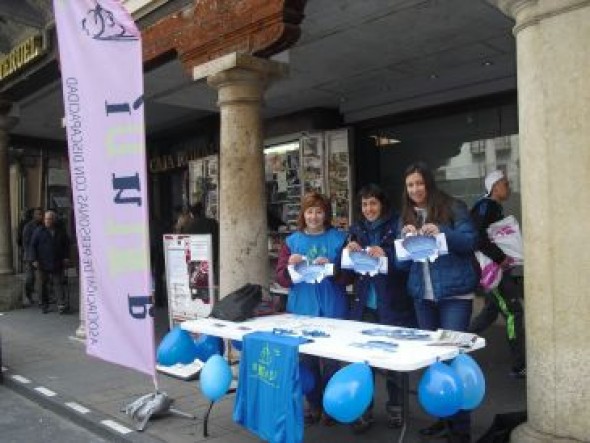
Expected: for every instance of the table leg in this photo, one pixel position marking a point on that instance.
(405, 405)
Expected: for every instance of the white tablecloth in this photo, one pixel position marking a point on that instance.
(343, 341)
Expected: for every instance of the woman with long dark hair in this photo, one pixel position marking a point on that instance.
(443, 290)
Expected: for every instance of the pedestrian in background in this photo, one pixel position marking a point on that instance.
(443, 290)
(26, 217)
(49, 249)
(381, 298)
(201, 224)
(506, 298)
(27, 235)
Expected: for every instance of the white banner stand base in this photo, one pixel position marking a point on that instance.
(152, 405)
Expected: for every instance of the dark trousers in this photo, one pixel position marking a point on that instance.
(506, 300)
(29, 280)
(453, 314)
(49, 280)
(322, 369)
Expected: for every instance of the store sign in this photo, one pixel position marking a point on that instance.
(180, 159)
(29, 50)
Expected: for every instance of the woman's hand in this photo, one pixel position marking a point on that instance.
(430, 229)
(375, 251)
(321, 261)
(294, 259)
(507, 263)
(354, 247)
(409, 230)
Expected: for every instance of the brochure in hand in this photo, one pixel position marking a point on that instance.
(310, 272)
(421, 247)
(362, 263)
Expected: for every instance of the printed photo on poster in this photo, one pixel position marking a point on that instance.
(198, 283)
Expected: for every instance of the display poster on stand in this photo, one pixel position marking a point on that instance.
(189, 276)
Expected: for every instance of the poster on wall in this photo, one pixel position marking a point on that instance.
(312, 163)
(339, 177)
(283, 185)
(204, 183)
(189, 276)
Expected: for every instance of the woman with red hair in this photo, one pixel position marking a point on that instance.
(319, 243)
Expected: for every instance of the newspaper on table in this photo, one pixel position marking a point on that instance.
(445, 337)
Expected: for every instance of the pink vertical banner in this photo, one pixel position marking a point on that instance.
(102, 80)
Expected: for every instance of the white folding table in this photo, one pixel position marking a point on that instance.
(343, 340)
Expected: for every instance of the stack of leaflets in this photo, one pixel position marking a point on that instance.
(445, 337)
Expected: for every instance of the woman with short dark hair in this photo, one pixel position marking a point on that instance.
(381, 298)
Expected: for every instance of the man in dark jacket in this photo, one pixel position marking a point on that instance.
(506, 298)
(49, 252)
(201, 224)
(27, 236)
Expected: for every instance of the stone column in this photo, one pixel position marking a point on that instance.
(6, 123)
(553, 62)
(240, 81)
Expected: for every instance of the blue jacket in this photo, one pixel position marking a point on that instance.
(452, 274)
(394, 306)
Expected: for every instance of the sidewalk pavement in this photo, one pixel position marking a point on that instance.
(43, 361)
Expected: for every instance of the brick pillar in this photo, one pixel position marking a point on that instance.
(240, 81)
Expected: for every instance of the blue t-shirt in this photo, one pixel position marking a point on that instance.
(269, 401)
(324, 299)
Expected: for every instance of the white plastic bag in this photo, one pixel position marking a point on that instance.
(506, 235)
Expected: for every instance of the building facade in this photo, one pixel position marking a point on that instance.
(468, 86)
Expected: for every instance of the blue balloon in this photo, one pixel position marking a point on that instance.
(237, 345)
(176, 347)
(472, 379)
(215, 378)
(440, 391)
(349, 392)
(208, 345)
(307, 379)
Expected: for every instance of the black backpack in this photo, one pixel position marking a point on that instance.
(238, 305)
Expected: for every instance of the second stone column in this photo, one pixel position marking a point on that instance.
(241, 81)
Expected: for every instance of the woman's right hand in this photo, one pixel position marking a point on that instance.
(354, 246)
(409, 230)
(295, 258)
